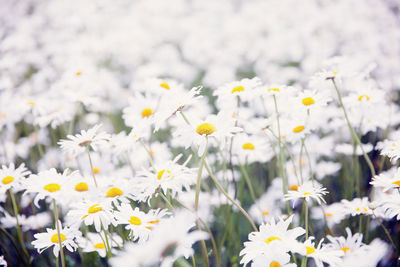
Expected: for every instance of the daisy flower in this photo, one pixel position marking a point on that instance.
(273, 237)
(357, 206)
(77, 144)
(351, 244)
(166, 246)
(140, 112)
(168, 176)
(13, 177)
(137, 222)
(45, 184)
(217, 127)
(322, 253)
(391, 206)
(96, 242)
(313, 99)
(251, 149)
(333, 213)
(307, 191)
(390, 148)
(387, 180)
(69, 238)
(273, 260)
(265, 208)
(244, 89)
(98, 214)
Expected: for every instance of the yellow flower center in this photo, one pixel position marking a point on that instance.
(135, 220)
(114, 192)
(271, 238)
(81, 187)
(361, 97)
(396, 182)
(310, 250)
(147, 112)
(274, 90)
(165, 85)
(364, 209)
(78, 73)
(298, 129)
(238, 89)
(265, 212)
(308, 101)
(95, 208)
(7, 179)
(52, 187)
(248, 146)
(294, 187)
(161, 173)
(275, 264)
(205, 128)
(345, 249)
(3, 115)
(32, 103)
(307, 193)
(96, 170)
(328, 214)
(54, 238)
(99, 245)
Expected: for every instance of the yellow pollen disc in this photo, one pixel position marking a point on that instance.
(78, 73)
(32, 103)
(96, 170)
(310, 250)
(7, 179)
(147, 112)
(345, 249)
(308, 101)
(393, 144)
(264, 212)
(361, 97)
(161, 173)
(248, 146)
(274, 90)
(54, 238)
(149, 227)
(152, 153)
(114, 192)
(205, 128)
(154, 222)
(81, 187)
(294, 187)
(3, 115)
(275, 264)
(328, 214)
(357, 209)
(335, 73)
(307, 193)
(396, 182)
(365, 209)
(52, 187)
(298, 129)
(165, 85)
(238, 89)
(95, 208)
(135, 220)
(271, 238)
(99, 245)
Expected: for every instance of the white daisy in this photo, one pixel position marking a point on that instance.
(97, 242)
(308, 190)
(69, 238)
(387, 180)
(322, 253)
(77, 143)
(13, 177)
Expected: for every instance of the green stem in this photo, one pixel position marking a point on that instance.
(220, 188)
(91, 165)
(107, 243)
(198, 183)
(248, 181)
(19, 232)
(58, 233)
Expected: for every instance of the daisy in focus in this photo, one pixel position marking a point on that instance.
(307, 191)
(13, 177)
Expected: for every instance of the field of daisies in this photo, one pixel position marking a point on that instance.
(143, 133)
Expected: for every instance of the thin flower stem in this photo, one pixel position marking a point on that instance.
(304, 261)
(39, 145)
(149, 153)
(248, 181)
(20, 236)
(355, 136)
(107, 243)
(387, 234)
(220, 188)
(58, 234)
(91, 165)
(196, 201)
(281, 158)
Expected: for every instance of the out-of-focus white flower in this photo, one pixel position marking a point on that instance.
(308, 190)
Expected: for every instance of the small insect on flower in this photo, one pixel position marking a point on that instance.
(13, 177)
(78, 143)
(307, 191)
(68, 236)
